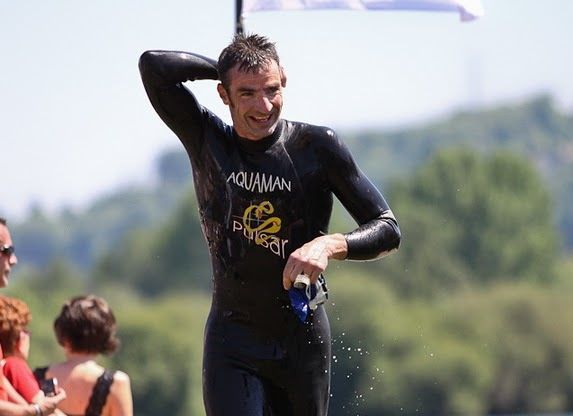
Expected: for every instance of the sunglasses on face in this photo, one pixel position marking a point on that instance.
(7, 251)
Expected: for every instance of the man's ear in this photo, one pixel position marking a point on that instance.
(283, 76)
(223, 93)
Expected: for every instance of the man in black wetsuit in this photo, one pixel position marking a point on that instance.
(264, 187)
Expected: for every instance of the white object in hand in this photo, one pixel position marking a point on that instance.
(301, 281)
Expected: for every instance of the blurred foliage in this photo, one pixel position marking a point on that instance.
(534, 129)
(501, 349)
(505, 349)
(470, 219)
(83, 237)
(563, 187)
(470, 317)
(167, 259)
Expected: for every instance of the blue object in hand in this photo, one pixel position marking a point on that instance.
(308, 298)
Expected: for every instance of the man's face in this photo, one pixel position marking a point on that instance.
(7, 257)
(255, 100)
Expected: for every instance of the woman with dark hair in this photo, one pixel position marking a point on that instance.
(85, 328)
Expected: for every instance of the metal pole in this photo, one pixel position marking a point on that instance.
(239, 17)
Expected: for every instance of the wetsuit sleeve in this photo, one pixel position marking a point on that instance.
(163, 74)
(378, 233)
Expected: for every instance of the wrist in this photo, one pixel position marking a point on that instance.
(36, 410)
(337, 246)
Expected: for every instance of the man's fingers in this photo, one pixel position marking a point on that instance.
(289, 276)
(314, 275)
(288, 272)
(308, 260)
(293, 267)
(286, 283)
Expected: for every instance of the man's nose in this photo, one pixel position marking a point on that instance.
(264, 104)
(13, 260)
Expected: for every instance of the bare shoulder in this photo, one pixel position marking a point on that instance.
(121, 379)
(120, 402)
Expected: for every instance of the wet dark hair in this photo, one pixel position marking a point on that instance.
(249, 52)
(3, 221)
(87, 324)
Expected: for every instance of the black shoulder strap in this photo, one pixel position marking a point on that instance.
(100, 393)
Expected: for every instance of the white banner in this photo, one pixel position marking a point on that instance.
(468, 9)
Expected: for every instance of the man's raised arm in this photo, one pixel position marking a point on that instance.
(163, 74)
(164, 68)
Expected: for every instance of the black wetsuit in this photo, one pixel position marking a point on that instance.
(259, 201)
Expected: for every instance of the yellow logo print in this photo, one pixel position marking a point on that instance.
(263, 228)
(259, 226)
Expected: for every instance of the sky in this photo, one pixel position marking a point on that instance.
(75, 123)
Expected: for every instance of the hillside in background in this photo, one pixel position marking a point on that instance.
(534, 129)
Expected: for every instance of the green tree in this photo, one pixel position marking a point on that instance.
(564, 192)
(168, 258)
(161, 350)
(396, 357)
(468, 218)
(522, 329)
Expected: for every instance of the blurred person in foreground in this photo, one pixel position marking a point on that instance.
(265, 189)
(15, 341)
(85, 328)
(8, 257)
(47, 405)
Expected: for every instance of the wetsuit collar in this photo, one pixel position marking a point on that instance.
(262, 144)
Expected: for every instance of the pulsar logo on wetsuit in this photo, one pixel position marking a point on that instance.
(257, 225)
(259, 182)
